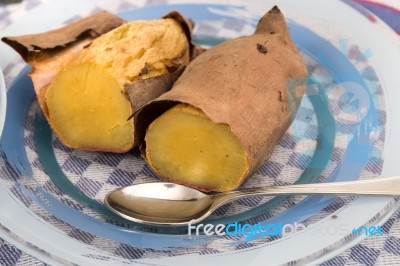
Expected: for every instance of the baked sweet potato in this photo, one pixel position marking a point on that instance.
(50, 51)
(91, 76)
(223, 117)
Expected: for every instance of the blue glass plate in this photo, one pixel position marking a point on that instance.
(53, 194)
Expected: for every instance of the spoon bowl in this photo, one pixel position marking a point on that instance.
(159, 203)
(170, 204)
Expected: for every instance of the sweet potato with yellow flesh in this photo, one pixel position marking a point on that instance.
(88, 111)
(88, 86)
(86, 103)
(223, 117)
(181, 142)
(50, 51)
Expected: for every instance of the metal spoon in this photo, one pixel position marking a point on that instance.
(171, 204)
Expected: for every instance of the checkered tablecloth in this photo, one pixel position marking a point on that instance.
(384, 250)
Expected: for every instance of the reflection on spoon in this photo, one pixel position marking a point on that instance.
(170, 204)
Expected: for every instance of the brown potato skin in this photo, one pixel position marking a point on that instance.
(243, 83)
(142, 91)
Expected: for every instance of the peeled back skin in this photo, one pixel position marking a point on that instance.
(86, 103)
(225, 114)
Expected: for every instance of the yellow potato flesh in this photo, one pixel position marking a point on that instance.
(88, 111)
(183, 145)
(85, 102)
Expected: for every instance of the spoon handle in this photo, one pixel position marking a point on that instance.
(381, 186)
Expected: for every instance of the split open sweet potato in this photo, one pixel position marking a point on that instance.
(227, 111)
(92, 75)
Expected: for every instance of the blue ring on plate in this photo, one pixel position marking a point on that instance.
(21, 94)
